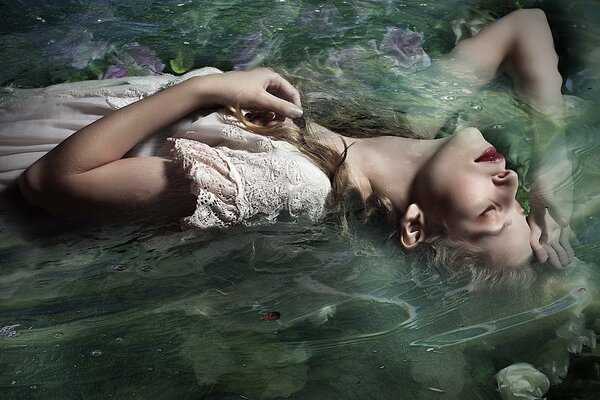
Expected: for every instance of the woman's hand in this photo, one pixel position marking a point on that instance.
(551, 207)
(260, 89)
(549, 240)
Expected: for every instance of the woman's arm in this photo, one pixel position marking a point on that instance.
(86, 172)
(520, 44)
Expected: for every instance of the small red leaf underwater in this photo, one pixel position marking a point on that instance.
(270, 316)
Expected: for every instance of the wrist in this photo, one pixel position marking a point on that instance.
(207, 90)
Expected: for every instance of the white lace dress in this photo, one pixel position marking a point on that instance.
(238, 177)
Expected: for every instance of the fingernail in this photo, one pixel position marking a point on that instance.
(296, 112)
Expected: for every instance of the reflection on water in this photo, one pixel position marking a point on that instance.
(136, 309)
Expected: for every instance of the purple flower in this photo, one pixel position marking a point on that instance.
(133, 57)
(141, 56)
(115, 71)
(405, 45)
(9, 330)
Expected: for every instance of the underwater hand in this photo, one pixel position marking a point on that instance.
(258, 89)
(551, 206)
(549, 240)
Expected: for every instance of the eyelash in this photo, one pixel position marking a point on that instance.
(490, 208)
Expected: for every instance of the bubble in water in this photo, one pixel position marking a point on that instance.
(57, 334)
(120, 339)
(96, 353)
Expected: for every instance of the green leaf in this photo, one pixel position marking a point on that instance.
(182, 63)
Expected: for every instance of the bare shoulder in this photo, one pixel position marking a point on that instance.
(332, 138)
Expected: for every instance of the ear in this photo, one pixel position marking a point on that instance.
(412, 227)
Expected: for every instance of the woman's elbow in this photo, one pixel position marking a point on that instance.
(535, 16)
(38, 190)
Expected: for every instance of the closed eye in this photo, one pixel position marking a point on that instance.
(487, 210)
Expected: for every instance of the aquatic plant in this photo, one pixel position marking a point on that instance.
(470, 23)
(252, 50)
(182, 63)
(133, 59)
(577, 336)
(79, 48)
(350, 58)
(320, 19)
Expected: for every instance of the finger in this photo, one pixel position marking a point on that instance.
(561, 252)
(553, 257)
(538, 215)
(540, 253)
(555, 212)
(278, 105)
(566, 243)
(280, 87)
(538, 224)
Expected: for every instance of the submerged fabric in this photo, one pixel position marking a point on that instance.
(238, 177)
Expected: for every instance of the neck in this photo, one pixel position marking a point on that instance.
(387, 166)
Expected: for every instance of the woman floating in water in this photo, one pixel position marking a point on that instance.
(454, 197)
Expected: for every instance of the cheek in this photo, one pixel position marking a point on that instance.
(465, 194)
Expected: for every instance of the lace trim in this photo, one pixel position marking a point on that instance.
(241, 187)
(213, 182)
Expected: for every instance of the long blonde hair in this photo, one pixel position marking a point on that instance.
(324, 155)
(449, 256)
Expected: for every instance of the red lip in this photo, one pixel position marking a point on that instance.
(490, 155)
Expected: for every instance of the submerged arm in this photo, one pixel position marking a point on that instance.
(520, 44)
(86, 172)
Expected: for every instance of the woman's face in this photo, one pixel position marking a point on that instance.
(466, 185)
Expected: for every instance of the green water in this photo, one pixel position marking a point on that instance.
(144, 310)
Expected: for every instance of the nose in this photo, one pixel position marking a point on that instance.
(507, 182)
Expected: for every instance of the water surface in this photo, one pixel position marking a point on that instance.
(144, 310)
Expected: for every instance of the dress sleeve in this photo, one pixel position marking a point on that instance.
(237, 186)
(212, 182)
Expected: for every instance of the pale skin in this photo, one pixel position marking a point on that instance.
(88, 174)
